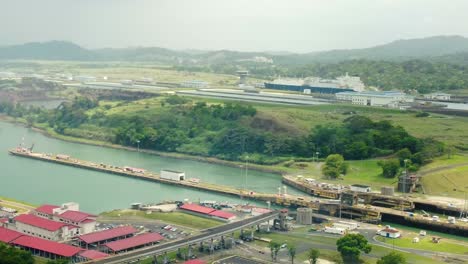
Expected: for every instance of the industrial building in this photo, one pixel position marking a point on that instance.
(195, 84)
(392, 99)
(438, 96)
(173, 175)
(304, 216)
(360, 188)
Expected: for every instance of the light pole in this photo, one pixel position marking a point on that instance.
(138, 145)
(317, 156)
(246, 171)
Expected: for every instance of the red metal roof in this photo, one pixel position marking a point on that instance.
(390, 230)
(47, 246)
(93, 254)
(7, 235)
(197, 208)
(107, 234)
(195, 261)
(40, 222)
(222, 214)
(134, 241)
(75, 216)
(46, 208)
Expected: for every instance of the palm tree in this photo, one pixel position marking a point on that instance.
(313, 255)
(292, 253)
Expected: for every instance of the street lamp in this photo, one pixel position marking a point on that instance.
(317, 155)
(138, 145)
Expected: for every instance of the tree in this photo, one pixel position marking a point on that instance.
(334, 166)
(313, 255)
(274, 248)
(390, 168)
(292, 253)
(392, 258)
(350, 247)
(12, 255)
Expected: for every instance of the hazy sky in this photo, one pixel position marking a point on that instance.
(247, 25)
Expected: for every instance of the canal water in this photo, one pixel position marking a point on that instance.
(39, 182)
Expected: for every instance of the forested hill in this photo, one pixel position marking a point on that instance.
(425, 48)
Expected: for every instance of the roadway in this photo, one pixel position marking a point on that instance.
(206, 235)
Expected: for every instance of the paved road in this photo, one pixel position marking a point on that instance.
(208, 234)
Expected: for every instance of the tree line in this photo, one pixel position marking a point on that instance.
(227, 131)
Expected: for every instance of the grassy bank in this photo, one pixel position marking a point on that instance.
(425, 243)
(176, 218)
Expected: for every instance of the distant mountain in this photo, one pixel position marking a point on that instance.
(439, 48)
(52, 50)
(422, 48)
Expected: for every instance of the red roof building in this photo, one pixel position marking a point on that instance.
(75, 216)
(39, 222)
(134, 242)
(46, 209)
(223, 215)
(197, 208)
(195, 261)
(37, 244)
(92, 255)
(7, 235)
(108, 235)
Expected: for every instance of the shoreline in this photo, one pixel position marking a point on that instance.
(175, 155)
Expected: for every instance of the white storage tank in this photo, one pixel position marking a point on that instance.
(173, 175)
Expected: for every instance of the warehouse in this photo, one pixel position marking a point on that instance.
(173, 175)
(132, 243)
(222, 215)
(385, 98)
(389, 232)
(45, 248)
(101, 237)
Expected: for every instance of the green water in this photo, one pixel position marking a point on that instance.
(40, 182)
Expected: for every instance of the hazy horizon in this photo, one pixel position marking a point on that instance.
(261, 25)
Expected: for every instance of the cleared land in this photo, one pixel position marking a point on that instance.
(425, 243)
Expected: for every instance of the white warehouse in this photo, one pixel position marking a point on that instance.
(386, 98)
(173, 175)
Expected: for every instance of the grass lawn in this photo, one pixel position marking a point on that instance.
(426, 244)
(449, 181)
(176, 218)
(300, 239)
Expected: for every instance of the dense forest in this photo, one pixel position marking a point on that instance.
(227, 131)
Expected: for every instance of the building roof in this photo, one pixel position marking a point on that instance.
(7, 235)
(222, 214)
(40, 222)
(93, 254)
(194, 261)
(134, 241)
(107, 234)
(75, 216)
(197, 208)
(390, 230)
(46, 208)
(47, 246)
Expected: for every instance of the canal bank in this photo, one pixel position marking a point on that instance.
(37, 182)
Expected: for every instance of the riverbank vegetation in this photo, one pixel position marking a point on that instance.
(228, 131)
